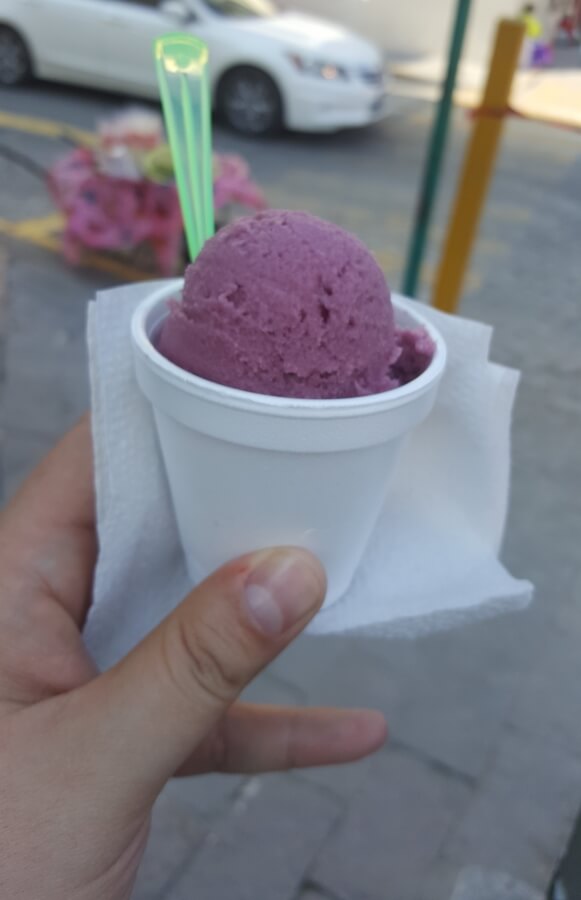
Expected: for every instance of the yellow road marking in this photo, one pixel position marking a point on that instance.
(44, 233)
(46, 128)
(31, 228)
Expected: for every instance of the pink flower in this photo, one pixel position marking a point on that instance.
(233, 184)
(114, 213)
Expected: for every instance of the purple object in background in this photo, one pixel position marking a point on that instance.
(284, 303)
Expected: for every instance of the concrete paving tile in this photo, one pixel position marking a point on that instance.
(314, 893)
(207, 796)
(439, 880)
(482, 884)
(446, 695)
(344, 782)
(263, 847)
(522, 813)
(542, 709)
(393, 831)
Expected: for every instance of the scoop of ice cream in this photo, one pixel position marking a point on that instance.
(284, 303)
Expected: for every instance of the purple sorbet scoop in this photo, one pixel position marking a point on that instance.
(287, 304)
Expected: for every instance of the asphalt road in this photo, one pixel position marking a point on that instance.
(363, 179)
(499, 741)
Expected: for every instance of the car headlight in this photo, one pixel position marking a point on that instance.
(328, 71)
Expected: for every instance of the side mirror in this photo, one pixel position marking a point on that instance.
(177, 10)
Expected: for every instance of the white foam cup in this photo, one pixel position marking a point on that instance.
(248, 471)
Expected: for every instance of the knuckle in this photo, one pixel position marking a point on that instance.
(199, 660)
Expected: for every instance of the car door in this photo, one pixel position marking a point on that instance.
(128, 56)
(137, 24)
(65, 36)
(104, 43)
(147, 20)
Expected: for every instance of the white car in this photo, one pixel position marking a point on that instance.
(268, 68)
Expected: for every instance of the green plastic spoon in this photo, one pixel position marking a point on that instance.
(182, 72)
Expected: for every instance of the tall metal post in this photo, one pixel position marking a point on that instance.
(435, 154)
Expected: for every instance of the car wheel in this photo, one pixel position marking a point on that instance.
(15, 62)
(249, 101)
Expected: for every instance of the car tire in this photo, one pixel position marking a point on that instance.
(15, 60)
(249, 101)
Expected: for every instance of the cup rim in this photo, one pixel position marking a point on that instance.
(273, 404)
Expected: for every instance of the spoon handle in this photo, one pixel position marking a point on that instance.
(182, 72)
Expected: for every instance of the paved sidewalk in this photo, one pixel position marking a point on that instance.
(484, 766)
(550, 95)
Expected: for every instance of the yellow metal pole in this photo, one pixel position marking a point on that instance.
(478, 166)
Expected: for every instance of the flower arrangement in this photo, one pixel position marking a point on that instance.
(120, 194)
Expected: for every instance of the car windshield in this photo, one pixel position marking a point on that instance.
(240, 9)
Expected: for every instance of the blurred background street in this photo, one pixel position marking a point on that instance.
(477, 793)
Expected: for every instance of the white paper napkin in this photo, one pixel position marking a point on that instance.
(432, 560)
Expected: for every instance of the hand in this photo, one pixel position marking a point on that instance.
(83, 756)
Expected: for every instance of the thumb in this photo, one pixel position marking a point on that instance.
(148, 713)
